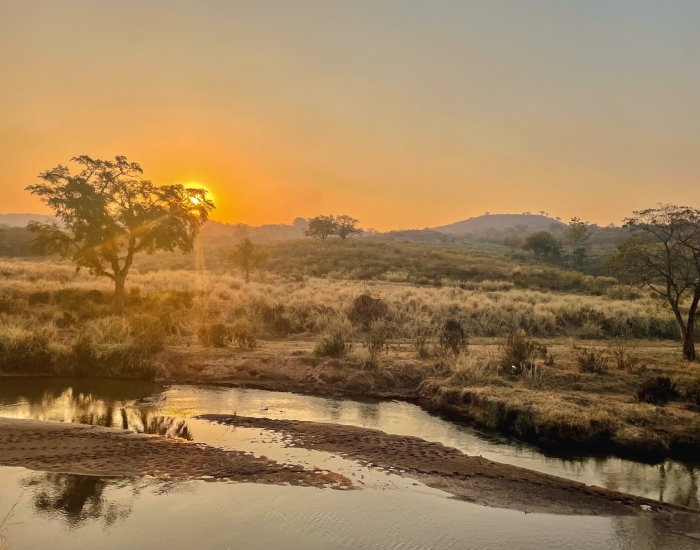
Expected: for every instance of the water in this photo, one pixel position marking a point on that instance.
(65, 511)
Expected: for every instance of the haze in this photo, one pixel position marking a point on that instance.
(402, 114)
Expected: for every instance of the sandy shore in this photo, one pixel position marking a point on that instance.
(470, 478)
(94, 450)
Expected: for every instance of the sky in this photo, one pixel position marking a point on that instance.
(403, 114)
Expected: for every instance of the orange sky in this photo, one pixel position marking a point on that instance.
(402, 114)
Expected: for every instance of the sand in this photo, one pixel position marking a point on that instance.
(94, 450)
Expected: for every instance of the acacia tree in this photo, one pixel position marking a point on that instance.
(541, 243)
(321, 227)
(346, 227)
(663, 254)
(107, 213)
(247, 257)
(576, 233)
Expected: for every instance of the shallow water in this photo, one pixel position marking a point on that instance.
(64, 511)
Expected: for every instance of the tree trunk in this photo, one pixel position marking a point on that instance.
(689, 342)
(247, 276)
(118, 303)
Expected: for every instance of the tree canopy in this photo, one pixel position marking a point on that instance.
(322, 227)
(542, 244)
(663, 254)
(107, 213)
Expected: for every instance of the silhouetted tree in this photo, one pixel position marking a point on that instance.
(321, 227)
(663, 254)
(107, 213)
(576, 233)
(346, 227)
(541, 244)
(247, 257)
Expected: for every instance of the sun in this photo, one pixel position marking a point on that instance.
(194, 200)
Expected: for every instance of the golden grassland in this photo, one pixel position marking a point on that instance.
(56, 320)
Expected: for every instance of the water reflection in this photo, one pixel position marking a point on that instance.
(127, 405)
(76, 498)
(152, 409)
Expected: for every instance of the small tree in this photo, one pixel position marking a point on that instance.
(512, 242)
(542, 244)
(346, 227)
(321, 227)
(107, 214)
(663, 254)
(576, 233)
(247, 257)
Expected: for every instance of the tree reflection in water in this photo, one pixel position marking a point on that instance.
(76, 498)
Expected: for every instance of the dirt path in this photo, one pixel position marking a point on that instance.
(474, 479)
(94, 450)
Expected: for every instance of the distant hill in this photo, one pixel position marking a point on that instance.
(498, 222)
(21, 220)
(417, 236)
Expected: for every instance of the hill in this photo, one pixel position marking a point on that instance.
(21, 220)
(499, 222)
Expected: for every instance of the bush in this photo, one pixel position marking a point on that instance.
(422, 343)
(148, 333)
(214, 335)
(518, 352)
(26, 349)
(335, 340)
(658, 390)
(242, 335)
(376, 339)
(624, 357)
(453, 337)
(366, 310)
(692, 394)
(591, 360)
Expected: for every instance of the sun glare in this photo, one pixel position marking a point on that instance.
(194, 200)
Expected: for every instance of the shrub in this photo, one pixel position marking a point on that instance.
(366, 310)
(26, 349)
(453, 337)
(242, 335)
(214, 335)
(692, 394)
(658, 390)
(335, 340)
(591, 360)
(376, 339)
(518, 352)
(624, 356)
(422, 343)
(148, 333)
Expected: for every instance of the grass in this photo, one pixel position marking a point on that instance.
(579, 361)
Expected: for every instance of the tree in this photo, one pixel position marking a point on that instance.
(346, 227)
(321, 227)
(247, 257)
(512, 242)
(576, 233)
(107, 213)
(663, 254)
(542, 243)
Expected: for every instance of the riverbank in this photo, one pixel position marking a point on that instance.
(563, 410)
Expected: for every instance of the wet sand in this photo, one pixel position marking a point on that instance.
(470, 478)
(94, 450)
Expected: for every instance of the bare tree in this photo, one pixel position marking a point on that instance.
(663, 254)
(247, 257)
(107, 213)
